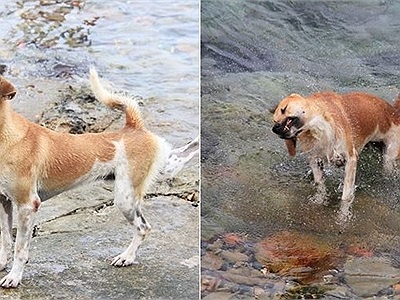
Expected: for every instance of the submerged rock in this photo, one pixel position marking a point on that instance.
(305, 257)
(369, 276)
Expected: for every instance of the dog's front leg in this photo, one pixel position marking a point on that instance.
(25, 217)
(6, 226)
(348, 189)
(317, 168)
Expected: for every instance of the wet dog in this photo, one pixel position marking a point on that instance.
(37, 163)
(336, 127)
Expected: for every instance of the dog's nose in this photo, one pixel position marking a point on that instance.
(277, 129)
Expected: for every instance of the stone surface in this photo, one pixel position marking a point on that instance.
(367, 276)
(70, 256)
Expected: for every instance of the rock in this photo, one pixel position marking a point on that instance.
(246, 276)
(211, 261)
(297, 254)
(78, 112)
(219, 296)
(340, 292)
(260, 293)
(209, 284)
(234, 256)
(367, 276)
(233, 239)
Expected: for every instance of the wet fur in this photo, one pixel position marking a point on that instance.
(335, 128)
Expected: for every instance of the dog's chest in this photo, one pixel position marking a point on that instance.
(324, 144)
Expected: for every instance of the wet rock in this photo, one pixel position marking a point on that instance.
(234, 256)
(260, 293)
(340, 292)
(233, 239)
(296, 254)
(78, 112)
(368, 276)
(211, 261)
(306, 292)
(209, 283)
(219, 296)
(359, 251)
(246, 276)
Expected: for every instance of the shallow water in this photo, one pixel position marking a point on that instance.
(148, 49)
(254, 53)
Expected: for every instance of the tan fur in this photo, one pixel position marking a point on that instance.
(37, 161)
(59, 159)
(337, 127)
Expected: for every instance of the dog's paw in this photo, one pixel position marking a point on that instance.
(3, 262)
(123, 261)
(10, 281)
(344, 215)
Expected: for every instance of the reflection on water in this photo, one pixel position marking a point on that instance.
(254, 53)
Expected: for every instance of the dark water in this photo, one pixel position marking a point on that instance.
(254, 53)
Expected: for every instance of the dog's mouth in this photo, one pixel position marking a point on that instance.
(288, 128)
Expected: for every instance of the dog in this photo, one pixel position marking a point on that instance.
(37, 163)
(336, 127)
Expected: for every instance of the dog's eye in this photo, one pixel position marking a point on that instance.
(283, 110)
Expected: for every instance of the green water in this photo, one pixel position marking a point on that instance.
(254, 53)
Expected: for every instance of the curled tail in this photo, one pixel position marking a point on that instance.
(122, 102)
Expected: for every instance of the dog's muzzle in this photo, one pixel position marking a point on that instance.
(288, 128)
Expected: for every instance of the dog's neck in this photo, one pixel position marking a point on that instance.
(12, 126)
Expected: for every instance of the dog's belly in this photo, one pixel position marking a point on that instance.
(99, 171)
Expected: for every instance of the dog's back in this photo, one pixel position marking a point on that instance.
(370, 118)
(75, 159)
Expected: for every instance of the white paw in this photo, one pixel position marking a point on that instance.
(123, 260)
(10, 281)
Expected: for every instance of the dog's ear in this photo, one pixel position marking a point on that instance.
(7, 90)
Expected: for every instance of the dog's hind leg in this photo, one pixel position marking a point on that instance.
(392, 153)
(348, 188)
(130, 206)
(128, 199)
(6, 226)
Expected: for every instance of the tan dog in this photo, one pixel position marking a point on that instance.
(37, 163)
(337, 127)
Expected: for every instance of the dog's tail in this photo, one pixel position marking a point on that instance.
(122, 102)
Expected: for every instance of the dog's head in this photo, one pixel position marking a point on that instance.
(289, 118)
(7, 90)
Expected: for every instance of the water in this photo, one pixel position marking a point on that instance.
(148, 49)
(254, 53)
